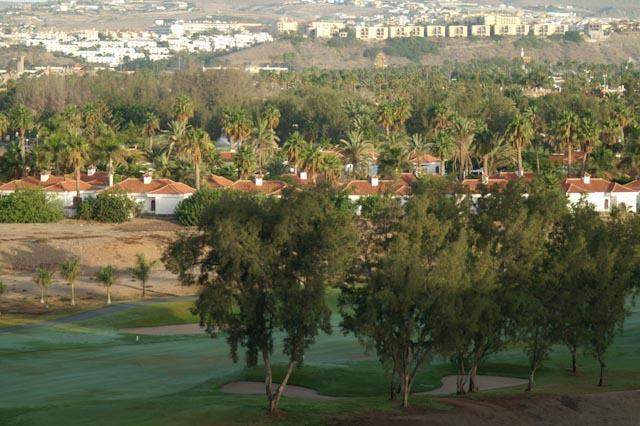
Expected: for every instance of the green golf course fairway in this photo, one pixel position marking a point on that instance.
(89, 372)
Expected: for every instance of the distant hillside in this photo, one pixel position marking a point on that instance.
(616, 49)
(617, 8)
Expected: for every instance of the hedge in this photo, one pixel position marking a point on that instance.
(189, 211)
(109, 206)
(29, 206)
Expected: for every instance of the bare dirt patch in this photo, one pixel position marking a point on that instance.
(166, 330)
(484, 383)
(24, 247)
(257, 388)
(612, 408)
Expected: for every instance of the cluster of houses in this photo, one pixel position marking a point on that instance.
(159, 196)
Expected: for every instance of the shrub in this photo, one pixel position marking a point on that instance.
(109, 206)
(189, 211)
(411, 48)
(29, 206)
(573, 37)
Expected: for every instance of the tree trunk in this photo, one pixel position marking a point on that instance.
(108, 295)
(520, 166)
(73, 295)
(537, 162)
(574, 365)
(601, 380)
(406, 389)
(150, 143)
(197, 167)
(443, 165)
(570, 160)
(144, 288)
(78, 184)
(42, 295)
(532, 374)
(473, 380)
(393, 386)
(275, 397)
(584, 164)
(461, 379)
(23, 153)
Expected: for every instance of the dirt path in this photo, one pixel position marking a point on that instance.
(610, 408)
(484, 383)
(257, 388)
(166, 330)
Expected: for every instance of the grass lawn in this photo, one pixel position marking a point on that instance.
(89, 372)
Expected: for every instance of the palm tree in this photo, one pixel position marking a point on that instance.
(22, 120)
(94, 116)
(183, 109)
(150, 127)
(264, 142)
(70, 270)
(386, 115)
(44, 278)
(195, 145)
(177, 134)
(357, 151)
(463, 133)
(72, 119)
(418, 148)
(56, 146)
(142, 270)
(293, 149)
(566, 131)
(331, 166)
(77, 155)
(312, 159)
(493, 151)
(394, 154)
(588, 137)
(236, 125)
(272, 115)
(245, 161)
(519, 134)
(623, 116)
(5, 124)
(441, 118)
(444, 148)
(113, 151)
(107, 276)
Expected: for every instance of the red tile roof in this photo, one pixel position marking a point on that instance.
(297, 180)
(216, 181)
(563, 158)
(527, 176)
(426, 158)
(53, 184)
(99, 178)
(384, 187)
(474, 185)
(577, 186)
(156, 186)
(226, 156)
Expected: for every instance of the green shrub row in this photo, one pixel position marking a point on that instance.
(109, 206)
(29, 206)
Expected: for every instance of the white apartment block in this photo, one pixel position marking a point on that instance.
(436, 31)
(406, 31)
(372, 33)
(549, 29)
(457, 31)
(325, 29)
(501, 20)
(481, 30)
(512, 30)
(287, 26)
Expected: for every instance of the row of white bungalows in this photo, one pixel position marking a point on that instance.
(602, 194)
(155, 196)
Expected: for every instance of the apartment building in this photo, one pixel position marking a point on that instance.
(549, 29)
(372, 33)
(481, 30)
(325, 29)
(287, 26)
(397, 31)
(520, 30)
(436, 31)
(502, 20)
(457, 31)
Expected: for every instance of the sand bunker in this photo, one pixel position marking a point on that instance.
(484, 383)
(166, 330)
(257, 388)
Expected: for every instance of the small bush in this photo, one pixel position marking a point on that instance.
(411, 48)
(29, 206)
(189, 211)
(109, 206)
(573, 37)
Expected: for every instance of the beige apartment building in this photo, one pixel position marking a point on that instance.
(512, 30)
(396, 31)
(546, 30)
(436, 31)
(502, 20)
(481, 30)
(325, 29)
(372, 33)
(287, 26)
(457, 31)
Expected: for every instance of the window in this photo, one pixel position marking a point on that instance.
(153, 205)
(606, 204)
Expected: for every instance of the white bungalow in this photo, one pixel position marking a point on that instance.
(601, 193)
(156, 196)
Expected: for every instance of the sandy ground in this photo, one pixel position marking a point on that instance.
(612, 408)
(257, 388)
(166, 330)
(24, 247)
(484, 383)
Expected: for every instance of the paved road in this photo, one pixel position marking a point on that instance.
(95, 313)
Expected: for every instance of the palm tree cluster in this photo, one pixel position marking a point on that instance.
(70, 271)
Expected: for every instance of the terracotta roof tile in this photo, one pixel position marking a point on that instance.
(268, 187)
(577, 185)
(216, 181)
(156, 186)
(384, 187)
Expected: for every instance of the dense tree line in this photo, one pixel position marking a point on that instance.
(474, 116)
(435, 277)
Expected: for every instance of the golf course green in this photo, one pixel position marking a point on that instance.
(89, 372)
